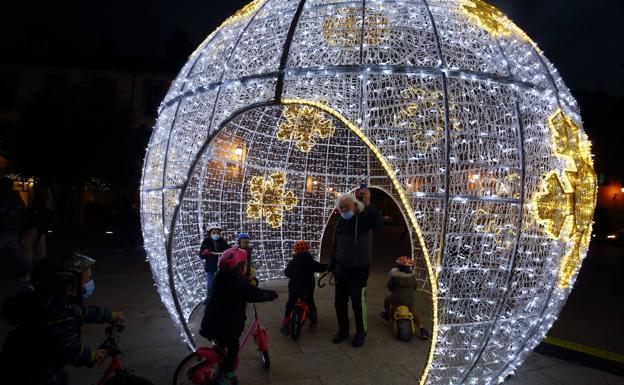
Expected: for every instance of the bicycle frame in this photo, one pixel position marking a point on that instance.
(114, 367)
(213, 355)
(112, 344)
(258, 332)
(302, 303)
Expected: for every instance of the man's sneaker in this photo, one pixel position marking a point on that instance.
(358, 339)
(284, 330)
(340, 336)
(385, 315)
(313, 320)
(424, 334)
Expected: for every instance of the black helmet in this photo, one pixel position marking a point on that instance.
(53, 274)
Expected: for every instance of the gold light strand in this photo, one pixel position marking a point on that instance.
(243, 12)
(491, 19)
(239, 15)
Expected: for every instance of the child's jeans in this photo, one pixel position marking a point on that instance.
(292, 300)
(209, 279)
(411, 309)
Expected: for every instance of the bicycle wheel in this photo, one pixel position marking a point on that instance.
(182, 375)
(404, 330)
(295, 323)
(266, 360)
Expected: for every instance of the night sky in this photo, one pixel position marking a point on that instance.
(581, 37)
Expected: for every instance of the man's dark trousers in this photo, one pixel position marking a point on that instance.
(351, 283)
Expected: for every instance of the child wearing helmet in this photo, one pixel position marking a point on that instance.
(224, 316)
(49, 318)
(243, 240)
(300, 270)
(403, 285)
(212, 246)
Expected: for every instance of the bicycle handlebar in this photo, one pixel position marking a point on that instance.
(111, 342)
(331, 278)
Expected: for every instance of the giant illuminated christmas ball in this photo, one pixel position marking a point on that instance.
(444, 104)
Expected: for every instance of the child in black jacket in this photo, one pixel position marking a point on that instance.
(210, 250)
(301, 271)
(224, 316)
(49, 319)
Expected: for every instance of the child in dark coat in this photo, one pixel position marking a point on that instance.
(244, 242)
(403, 285)
(301, 271)
(49, 319)
(210, 250)
(224, 317)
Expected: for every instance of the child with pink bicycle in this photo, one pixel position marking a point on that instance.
(224, 316)
(301, 284)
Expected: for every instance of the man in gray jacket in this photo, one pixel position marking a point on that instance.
(352, 253)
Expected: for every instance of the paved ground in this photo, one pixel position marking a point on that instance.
(153, 348)
(594, 312)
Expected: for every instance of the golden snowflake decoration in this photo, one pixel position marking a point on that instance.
(566, 205)
(302, 124)
(491, 19)
(344, 30)
(424, 115)
(269, 199)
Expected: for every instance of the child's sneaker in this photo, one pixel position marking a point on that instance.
(224, 378)
(424, 334)
(385, 315)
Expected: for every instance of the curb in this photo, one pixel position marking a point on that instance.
(587, 355)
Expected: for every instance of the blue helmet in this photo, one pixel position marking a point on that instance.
(243, 236)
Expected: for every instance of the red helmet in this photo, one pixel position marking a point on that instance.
(404, 261)
(301, 247)
(231, 258)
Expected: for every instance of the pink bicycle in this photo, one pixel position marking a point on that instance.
(197, 367)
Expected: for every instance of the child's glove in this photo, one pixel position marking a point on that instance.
(118, 317)
(205, 253)
(118, 320)
(98, 356)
